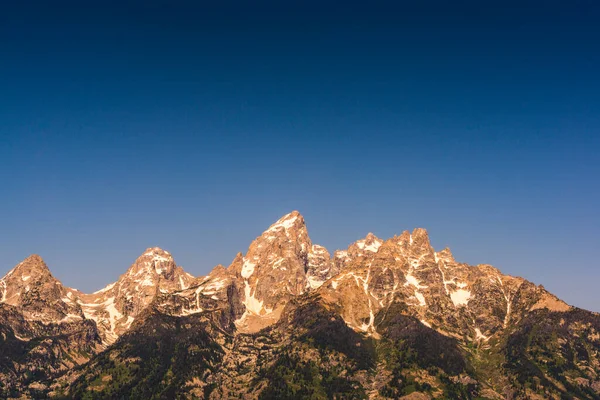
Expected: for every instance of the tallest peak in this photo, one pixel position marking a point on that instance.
(293, 219)
(293, 215)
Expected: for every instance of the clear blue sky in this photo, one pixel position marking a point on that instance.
(193, 127)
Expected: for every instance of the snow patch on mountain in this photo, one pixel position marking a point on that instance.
(286, 222)
(480, 336)
(460, 297)
(372, 247)
(253, 304)
(314, 283)
(106, 289)
(247, 269)
(420, 298)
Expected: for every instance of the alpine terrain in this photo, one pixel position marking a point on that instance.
(383, 319)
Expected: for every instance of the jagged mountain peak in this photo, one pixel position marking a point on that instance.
(27, 274)
(275, 267)
(155, 268)
(371, 236)
(369, 243)
(405, 238)
(153, 261)
(420, 235)
(154, 251)
(34, 259)
(419, 242)
(291, 221)
(366, 247)
(155, 254)
(115, 307)
(238, 260)
(218, 268)
(38, 294)
(32, 267)
(445, 255)
(291, 217)
(288, 235)
(218, 272)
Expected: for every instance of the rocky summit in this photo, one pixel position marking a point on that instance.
(383, 319)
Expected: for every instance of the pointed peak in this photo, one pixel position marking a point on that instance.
(33, 267)
(153, 260)
(370, 243)
(156, 251)
(405, 238)
(420, 237)
(218, 268)
(419, 233)
(444, 256)
(293, 214)
(371, 237)
(293, 219)
(447, 253)
(237, 262)
(317, 248)
(218, 271)
(34, 258)
(32, 263)
(155, 254)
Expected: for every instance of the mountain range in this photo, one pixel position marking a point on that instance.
(383, 319)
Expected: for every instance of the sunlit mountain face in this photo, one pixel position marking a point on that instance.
(384, 318)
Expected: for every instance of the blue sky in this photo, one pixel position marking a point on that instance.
(193, 127)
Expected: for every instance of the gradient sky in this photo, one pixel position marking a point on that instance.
(194, 126)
